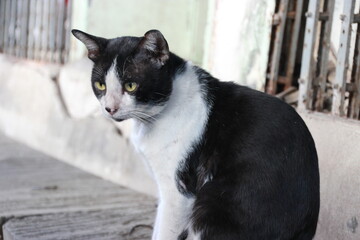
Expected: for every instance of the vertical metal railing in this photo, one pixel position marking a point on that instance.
(307, 42)
(343, 92)
(342, 64)
(342, 105)
(354, 97)
(35, 29)
(285, 55)
(326, 18)
(307, 63)
(280, 21)
(313, 76)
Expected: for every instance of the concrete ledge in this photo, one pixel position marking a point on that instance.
(338, 145)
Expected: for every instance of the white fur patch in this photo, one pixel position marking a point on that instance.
(114, 97)
(166, 143)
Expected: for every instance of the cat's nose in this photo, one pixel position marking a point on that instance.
(112, 111)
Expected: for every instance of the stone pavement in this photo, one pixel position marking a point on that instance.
(43, 198)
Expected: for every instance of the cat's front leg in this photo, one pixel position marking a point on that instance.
(173, 217)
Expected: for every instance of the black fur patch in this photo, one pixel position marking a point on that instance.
(260, 166)
(183, 235)
(135, 63)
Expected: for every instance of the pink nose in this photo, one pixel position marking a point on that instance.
(112, 111)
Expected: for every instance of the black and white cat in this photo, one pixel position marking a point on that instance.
(230, 162)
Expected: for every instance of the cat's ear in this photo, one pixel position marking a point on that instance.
(155, 44)
(95, 45)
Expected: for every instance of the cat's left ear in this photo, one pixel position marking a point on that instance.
(95, 45)
(155, 44)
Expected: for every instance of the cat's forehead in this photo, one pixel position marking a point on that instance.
(116, 51)
(121, 46)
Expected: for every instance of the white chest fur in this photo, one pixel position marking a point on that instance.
(178, 127)
(167, 143)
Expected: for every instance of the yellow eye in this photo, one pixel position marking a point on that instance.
(130, 86)
(100, 86)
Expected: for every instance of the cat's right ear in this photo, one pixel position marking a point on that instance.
(95, 45)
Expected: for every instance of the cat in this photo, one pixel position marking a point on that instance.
(230, 162)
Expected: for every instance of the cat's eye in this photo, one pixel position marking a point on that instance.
(130, 86)
(100, 86)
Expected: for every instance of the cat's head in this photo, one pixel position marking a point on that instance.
(131, 76)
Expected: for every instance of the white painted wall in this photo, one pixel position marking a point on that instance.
(229, 38)
(240, 38)
(182, 22)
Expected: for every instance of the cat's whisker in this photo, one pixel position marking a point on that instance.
(141, 119)
(146, 115)
(161, 94)
(137, 118)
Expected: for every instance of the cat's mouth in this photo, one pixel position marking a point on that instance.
(119, 119)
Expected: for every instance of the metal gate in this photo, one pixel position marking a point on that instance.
(35, 29)
(316, 91)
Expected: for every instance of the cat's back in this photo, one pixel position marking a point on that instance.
(245, 112)
(264, 161)
(256, 127)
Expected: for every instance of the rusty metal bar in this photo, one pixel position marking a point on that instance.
(52, 31)
(44, 30)
(35, 29)
(324, 54)
(2, 24)
(31, 29)
(11, 28)
(275, 60)
(59, 41)
(307, 64)
(342, 64)
(291, 15)
(294, 43)
(67, 25)
(17, 32)
(6, 25)
(24, 28)
(354, 98)
(356, 18)
(324, 16)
